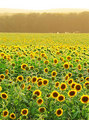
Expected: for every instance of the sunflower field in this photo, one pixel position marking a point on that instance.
(44, 76)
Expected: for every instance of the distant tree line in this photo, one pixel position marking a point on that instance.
(45, 22)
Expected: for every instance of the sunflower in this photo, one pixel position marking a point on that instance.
(54, 94)
(39, 83)
(63, 86)
(24, 112)
(87, 78)
(46, 70)
(29, 87)
(42, 109)
(66, 65)
(86, 85)
(2, 76)
(79, 67)
(66, 77)
(73, 85)
(77, 60)
(56, 84)
(43, 54)
(69, 74)
(46, 62)
(45, 82)
(39, 58)
(39, 78)
(23, 86)
(12, 116)
(28, 79)
(4, 96)
(55, 61)
(31, 67)
(5, 113)
(70, 81)
(6, 71)
(37, 92)
(78, 87)
(84, 99)
(39, 101)
(20, 78)
(69, 58)
(61, 98)
(88, 70)
(59, 112)
(34, 79)
(72, 93)
(0, 88)
(54, 73)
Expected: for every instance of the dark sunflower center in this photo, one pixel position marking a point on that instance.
(54, 73)
(37, 93)
(70, 81)
(66, 65)
(73, 85)
(20, 78)
(57, 84)
(34, 79)
(5, 113)
(3, 95)
(55, 94)
(12, 115)
(45, 82)
(24, 111)
(2, 76)
(78, 87)
(72, 93)
(24, 66)
(39, 101)
(60, 97)
(40, 83)
(59, 112)
(42, 109)
(63, 86)
(85, 99)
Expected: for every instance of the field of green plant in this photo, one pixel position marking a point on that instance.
(44, 76)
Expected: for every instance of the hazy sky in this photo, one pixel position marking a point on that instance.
(44, 4)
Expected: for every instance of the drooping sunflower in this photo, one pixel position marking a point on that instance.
(63, 86)
(45, 82)
(20, 78)
(42, 109)
(78, 87)
(61, 98)
(12, 116)
(29, 87)
(59, 112)
(39, 101)
(37, 92)
(34, 79)
(55, 61)
(84, 99)
(4, 96)
(54, 73)
(5, 113)
(46, 70)
(54, 94)
(24, 112)
(72, 93)
(66, 65)
(57, 84)
(2, 76)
